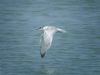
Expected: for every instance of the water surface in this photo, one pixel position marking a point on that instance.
(75, 53)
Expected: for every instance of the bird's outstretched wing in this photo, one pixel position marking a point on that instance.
(46, 41)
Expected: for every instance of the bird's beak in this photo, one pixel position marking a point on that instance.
(40, 29)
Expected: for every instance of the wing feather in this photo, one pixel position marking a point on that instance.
(46, 41)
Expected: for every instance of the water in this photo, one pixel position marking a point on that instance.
(75, 53)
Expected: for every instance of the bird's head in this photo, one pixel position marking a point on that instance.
(43, 28)
(40, 28)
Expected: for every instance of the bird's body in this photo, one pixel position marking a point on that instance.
(47, 37)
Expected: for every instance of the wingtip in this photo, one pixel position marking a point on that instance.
(42, 55)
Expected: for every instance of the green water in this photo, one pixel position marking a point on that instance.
(75, 53)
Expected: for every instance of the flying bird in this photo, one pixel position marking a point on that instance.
(47, 37)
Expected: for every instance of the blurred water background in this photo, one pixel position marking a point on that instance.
(75, 53)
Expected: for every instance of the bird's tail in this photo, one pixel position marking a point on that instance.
(61, 30)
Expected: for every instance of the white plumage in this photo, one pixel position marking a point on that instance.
(47, 37)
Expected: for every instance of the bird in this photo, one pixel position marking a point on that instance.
(47, 38)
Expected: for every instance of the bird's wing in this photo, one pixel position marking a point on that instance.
(46, 41)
